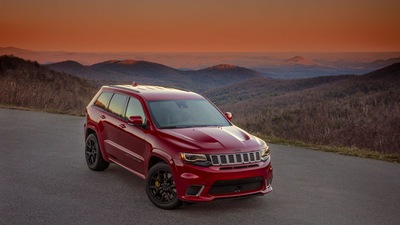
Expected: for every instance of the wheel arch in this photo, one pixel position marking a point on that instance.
(159, 156)
(92, 130)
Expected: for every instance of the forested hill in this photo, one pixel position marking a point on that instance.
(352, 111)
(28, 84)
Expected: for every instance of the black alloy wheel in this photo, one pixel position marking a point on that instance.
(94, 159)
(160, 187)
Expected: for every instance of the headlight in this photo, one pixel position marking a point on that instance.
(189, 157)
(197, 159)
(264, 153)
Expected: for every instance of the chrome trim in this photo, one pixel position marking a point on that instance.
(198, 193)
(201, 190)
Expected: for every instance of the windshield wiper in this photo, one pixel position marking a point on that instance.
(173, 127)
(189, 126)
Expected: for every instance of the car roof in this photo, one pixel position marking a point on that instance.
(151, 93)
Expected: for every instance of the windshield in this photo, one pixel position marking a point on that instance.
(185, 113)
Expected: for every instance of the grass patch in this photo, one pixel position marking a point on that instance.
(350, 151)
(5, 106)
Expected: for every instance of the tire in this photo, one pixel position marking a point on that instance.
(94, 159)
(160, 187)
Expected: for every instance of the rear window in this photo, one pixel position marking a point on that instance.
(103, 100)
(118, 104)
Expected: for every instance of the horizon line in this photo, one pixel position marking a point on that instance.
(197, 52)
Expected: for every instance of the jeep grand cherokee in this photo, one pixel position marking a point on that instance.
(184, 147)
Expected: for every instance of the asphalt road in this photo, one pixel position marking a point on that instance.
(44, 180)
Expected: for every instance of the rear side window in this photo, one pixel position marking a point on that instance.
(118, 104)
(103, 100)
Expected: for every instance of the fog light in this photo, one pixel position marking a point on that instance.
(194, 190)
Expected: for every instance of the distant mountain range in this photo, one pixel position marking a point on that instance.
(275, 65)
(299, 60)
(158, 74)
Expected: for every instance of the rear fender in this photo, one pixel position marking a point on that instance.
(92, 127)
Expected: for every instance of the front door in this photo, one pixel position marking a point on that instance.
(133, 138)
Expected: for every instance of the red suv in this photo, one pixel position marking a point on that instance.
(178, 141)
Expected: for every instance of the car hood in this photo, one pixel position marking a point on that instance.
(230, 138)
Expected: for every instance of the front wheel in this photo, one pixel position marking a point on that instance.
(94, 159)
(160, 187)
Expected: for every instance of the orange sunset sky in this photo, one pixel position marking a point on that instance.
(201, 26)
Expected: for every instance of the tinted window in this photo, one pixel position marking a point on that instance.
(134, 109)
(103, 100)
(117, 104)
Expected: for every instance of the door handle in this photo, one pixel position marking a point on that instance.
(122, 126)
(103, 117)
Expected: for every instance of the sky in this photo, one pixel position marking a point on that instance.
(201, 26)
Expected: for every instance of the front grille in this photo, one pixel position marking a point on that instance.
(236, 186)
(233, 159)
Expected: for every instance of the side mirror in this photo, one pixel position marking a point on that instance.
(135, 121)
(228, 115)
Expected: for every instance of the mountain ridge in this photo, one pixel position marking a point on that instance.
(299, 60)
(156, 73)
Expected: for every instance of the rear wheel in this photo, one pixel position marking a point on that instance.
(160, 187)
(94, 159)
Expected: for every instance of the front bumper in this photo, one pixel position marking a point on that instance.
(201, 184)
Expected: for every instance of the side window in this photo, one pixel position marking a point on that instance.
(135, 109)
(103, 100)
(117, 104)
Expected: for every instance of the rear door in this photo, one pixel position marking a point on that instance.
(112, 126)
(100, 116)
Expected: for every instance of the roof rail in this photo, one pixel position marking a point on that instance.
(124, 88)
